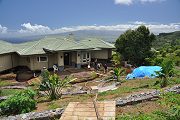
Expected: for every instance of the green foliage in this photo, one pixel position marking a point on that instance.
(116, 59)
(170, 100)
(167, 39)
(0, 92)
(93, 75)
(135, 45)
(5, 83)
(140, 116)
(166, 72)
(118, 72)
(172, 113)
(53, 85)
(7, 92)
(22, 102)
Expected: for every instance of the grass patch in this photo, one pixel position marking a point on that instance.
(5, 83)
(7, 92)
(170, 110)
(126, 88)
(53, 105)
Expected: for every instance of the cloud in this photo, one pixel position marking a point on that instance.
(39, 29)
(3, 30)
(30, 29)
(129, 2)
(125, 2)
(154, 27)
(138, 22)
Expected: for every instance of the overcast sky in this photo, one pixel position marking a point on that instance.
(34, 17)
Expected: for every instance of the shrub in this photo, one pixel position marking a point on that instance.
(170, 100)
(53, 85)
(22, 102)
(166, 72)
(117, 73)
(116, 59)
(171, 114)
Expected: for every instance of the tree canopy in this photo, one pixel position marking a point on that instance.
(135, 45)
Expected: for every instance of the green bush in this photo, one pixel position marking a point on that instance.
(171, 114)
(22, 102)
(166, 72)
(170, 100)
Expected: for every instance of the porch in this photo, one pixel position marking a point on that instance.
(76, 59)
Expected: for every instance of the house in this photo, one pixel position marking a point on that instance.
(53, 50)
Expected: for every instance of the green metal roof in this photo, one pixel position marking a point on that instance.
(52, 44)
(6, 47)
(96, 43)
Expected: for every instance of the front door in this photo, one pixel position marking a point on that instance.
(66, 58)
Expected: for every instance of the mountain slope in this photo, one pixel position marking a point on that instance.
(164, 39)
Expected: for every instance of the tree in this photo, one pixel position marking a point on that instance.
(135, 45)
(53, 85)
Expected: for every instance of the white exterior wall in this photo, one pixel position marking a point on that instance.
(5, 62)
(100, 54)
(8, 61)
(60, 58)
(78, 57)
(24, 61)
(52, 59)
(35, 64)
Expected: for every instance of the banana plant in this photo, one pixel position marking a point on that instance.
(166, 71)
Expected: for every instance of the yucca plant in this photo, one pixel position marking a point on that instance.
(53, 85)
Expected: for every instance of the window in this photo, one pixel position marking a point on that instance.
(85, 57)
(42, 59)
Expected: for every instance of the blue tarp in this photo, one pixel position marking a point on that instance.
(144, 71)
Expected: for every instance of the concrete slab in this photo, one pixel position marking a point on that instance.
(86, 111)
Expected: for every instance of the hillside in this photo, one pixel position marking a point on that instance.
(110, 36)
(163, 39)
(106, 35)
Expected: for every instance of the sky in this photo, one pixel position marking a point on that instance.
(37, 17)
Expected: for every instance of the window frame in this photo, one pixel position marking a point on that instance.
(39, 58)
(86, 57)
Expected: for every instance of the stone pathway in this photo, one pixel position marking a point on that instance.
(13, 87)
(86, 111)
(106, 88)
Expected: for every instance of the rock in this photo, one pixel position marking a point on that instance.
(144, 96)
(14, 87)
(46, 115)
(3, 98)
